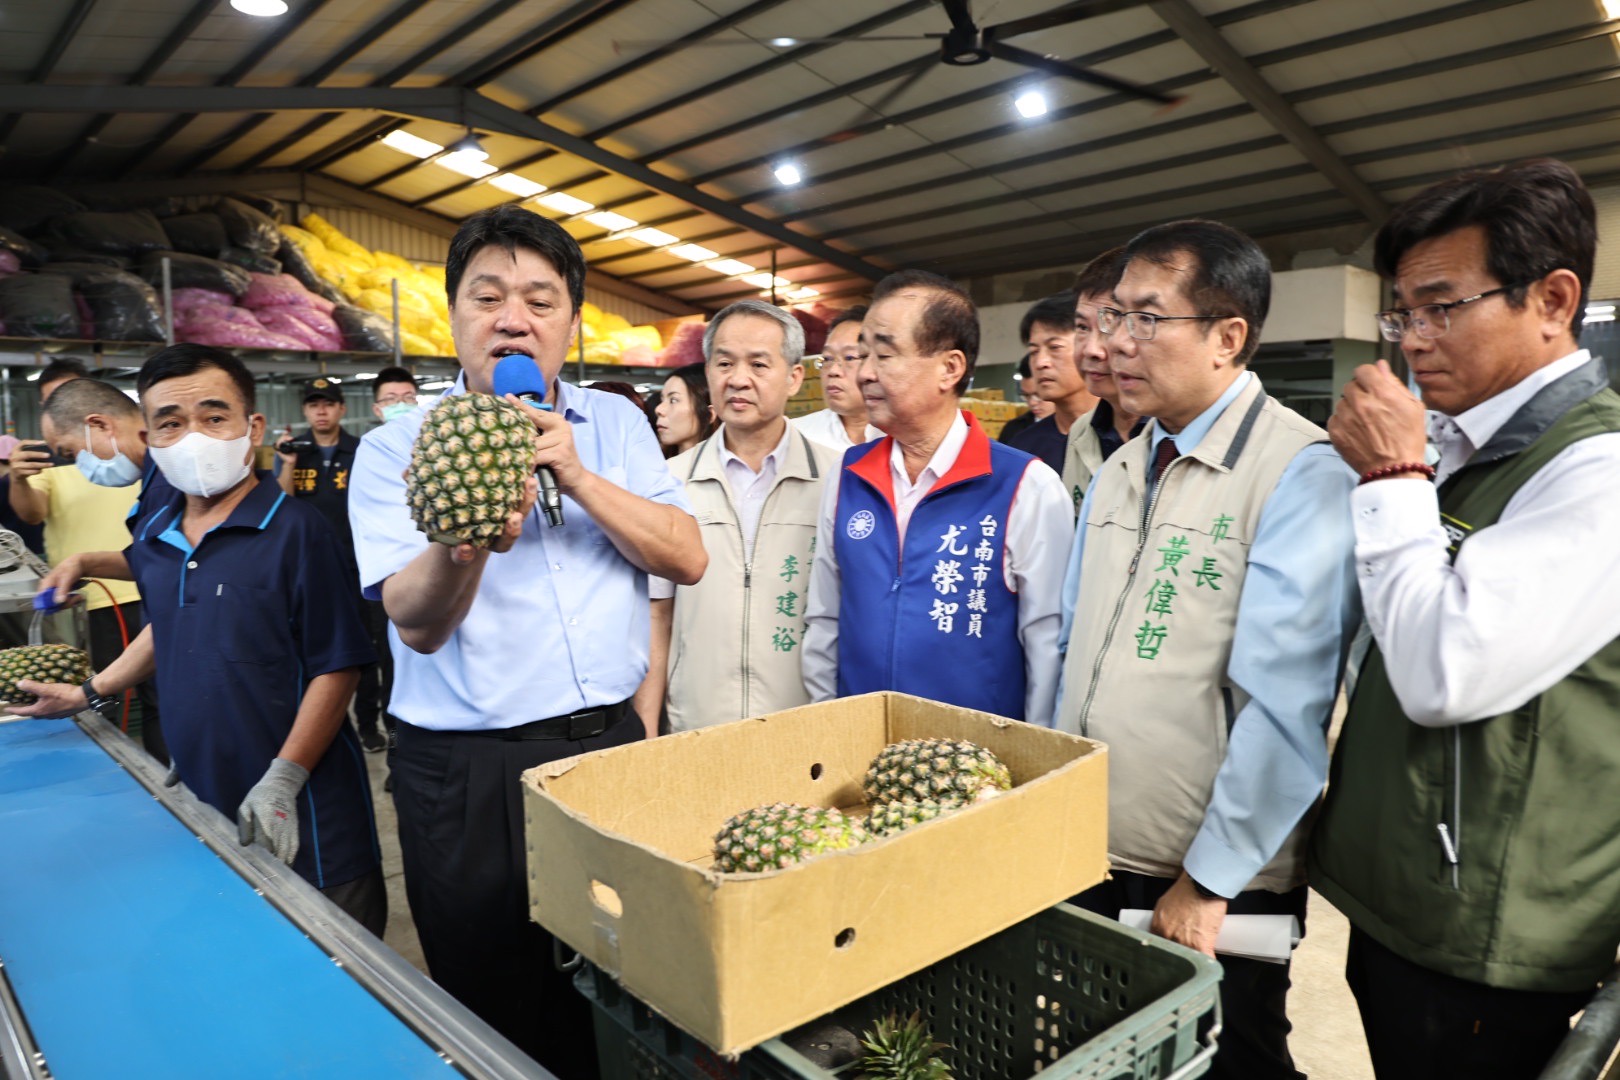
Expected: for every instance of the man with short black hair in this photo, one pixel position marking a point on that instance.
(251, 637)
(939, 553)
(1471, 832)
(842, 424)
(521, 653)
(393, 394)
(1209, 604)
(62, 369)
(1108, 426)
(83, 419)
(1047, 331)
(319, 472)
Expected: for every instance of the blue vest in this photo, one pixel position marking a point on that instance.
(940, 623)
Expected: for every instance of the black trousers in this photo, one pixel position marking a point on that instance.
(1423, 1025)
(107, 645)
(1254, 993)
(376, 687)
(460, 810)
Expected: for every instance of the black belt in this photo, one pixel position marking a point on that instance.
(579, 725)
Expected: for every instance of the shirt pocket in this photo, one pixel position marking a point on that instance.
(250, 625)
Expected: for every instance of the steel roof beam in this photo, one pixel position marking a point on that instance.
(53, 53)
(1236, 69)
(154, 61)
(1409, 71)
(356, 45)
(256, 56)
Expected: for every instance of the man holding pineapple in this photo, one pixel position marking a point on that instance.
(520, 652)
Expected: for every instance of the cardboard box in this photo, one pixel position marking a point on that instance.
(620, 845)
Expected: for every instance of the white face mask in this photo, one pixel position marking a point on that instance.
(203, 466)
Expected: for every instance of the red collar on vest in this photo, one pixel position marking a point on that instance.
(974, 460)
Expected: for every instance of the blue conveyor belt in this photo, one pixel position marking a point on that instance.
(136, 952)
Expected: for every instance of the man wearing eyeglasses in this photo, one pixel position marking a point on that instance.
(1209, 602)
(842, 424)
(1471, 831)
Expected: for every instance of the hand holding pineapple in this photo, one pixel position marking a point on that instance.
(43, 680)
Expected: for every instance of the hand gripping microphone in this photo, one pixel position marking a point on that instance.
(517, 374)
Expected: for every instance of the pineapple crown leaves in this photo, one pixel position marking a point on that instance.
(902, 1050)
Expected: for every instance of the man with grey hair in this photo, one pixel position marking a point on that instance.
(755, 487)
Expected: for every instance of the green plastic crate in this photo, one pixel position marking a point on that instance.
(1064, 994)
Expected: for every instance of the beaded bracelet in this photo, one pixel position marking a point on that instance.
(1396, 470)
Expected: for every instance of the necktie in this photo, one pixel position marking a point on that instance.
(1164, 456)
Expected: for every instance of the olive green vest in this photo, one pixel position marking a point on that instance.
(1489, 850)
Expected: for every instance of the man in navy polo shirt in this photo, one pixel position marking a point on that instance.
(253, 639)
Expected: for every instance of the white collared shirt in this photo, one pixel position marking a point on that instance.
(749, 488)
(1040, 529)
(1528, 599)
(827, 428)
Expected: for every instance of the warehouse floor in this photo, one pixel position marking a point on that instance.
(1327, 1038)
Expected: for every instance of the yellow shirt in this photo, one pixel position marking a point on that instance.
(81, 516)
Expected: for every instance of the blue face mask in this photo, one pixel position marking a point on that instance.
(397, 410)
(116, 471)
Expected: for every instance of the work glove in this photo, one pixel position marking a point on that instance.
(269, 814)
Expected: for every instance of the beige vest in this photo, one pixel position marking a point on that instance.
(1082, 459)
(1159, 591)
(737, 637)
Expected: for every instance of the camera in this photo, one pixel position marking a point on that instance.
(294, 446)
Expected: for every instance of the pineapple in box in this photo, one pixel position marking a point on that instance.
(951, 772)
(42, 663)
(468, 468)
(887, 819)
(771, 837)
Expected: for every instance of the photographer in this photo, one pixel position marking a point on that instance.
(315, 466)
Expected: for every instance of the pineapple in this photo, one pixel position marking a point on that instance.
(771, 837)
(42, 663)
(887, 819)
(468, 469)
(951, 772)
(902, 1050)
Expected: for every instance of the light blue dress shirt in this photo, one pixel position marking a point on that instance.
(1296, 618)
(560, 622)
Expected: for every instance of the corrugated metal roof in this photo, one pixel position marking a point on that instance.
(945, 175)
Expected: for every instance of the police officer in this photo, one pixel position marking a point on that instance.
(318, 469)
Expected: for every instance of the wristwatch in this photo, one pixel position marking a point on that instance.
(96, 701)
(1204, 891)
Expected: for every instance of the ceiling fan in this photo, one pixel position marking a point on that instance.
(967, 43)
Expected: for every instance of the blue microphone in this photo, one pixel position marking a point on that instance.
(517, 374)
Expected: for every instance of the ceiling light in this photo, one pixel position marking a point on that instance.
(463, 162)
(33, 376)
(610, 221)
(406, 143)
(1611, 9)
(266, 8)
(443, 384)
(788, 43)
(804, 292)
(469, 147)
(693, 253)
(1600, 312)
(766, 281)
(787, 174)
(730, 267)
(513, 184)
(659, 238)
(564, 203)
(365, 376)
(1030, 104)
